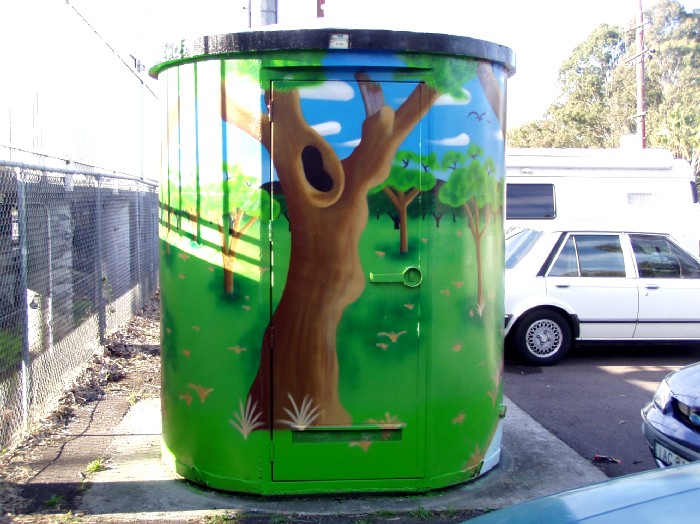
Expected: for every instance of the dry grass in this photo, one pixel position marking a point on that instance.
(128, 363)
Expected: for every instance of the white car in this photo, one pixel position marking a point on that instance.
(596, 285)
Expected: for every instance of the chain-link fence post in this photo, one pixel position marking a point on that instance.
(138, 237)
(99, 275)
(26, 358)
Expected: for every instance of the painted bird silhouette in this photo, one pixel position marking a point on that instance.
(479, 116)
(392, 336)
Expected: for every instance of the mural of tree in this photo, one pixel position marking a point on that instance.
(434, 207)
(452, 159)
(407, 179)
(327, 202)
(473, 188)
(474, 151)
(243, 205)
(379, 204)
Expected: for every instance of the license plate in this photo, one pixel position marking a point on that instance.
(667, 456)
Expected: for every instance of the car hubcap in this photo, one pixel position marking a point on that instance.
(543, 338)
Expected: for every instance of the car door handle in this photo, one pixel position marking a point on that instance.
(652, 286)
(562, 285)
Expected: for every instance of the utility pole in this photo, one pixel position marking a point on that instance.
(261, 12)
(638, 59)
(641, 106)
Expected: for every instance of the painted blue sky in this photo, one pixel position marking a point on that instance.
(335, 109)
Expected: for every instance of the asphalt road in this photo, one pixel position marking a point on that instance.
(591, 400)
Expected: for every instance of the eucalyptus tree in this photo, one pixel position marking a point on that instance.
(598, 93)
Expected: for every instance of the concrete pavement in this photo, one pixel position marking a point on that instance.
(137, 488)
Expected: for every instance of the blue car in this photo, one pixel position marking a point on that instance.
(667, 495)
(671, 421)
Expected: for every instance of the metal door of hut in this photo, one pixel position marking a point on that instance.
(347, 399)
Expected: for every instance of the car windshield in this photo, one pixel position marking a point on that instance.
(518, 244)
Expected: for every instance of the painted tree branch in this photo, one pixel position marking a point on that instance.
(255, 124)
(492, 90)
(229, 241)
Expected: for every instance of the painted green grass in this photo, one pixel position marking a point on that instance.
(445, 352)
(197, 304)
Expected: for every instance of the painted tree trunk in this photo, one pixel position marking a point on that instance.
(229, 262)
(327, 202)
(403, 232)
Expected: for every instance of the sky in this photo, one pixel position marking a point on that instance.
(542, 33)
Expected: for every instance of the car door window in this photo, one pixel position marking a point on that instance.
(590, 256)
(658, 257)
(600, 255)
(566, 264)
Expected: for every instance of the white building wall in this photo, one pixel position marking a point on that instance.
(70, 95)
(75, 86)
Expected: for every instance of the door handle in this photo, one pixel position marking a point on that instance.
(652, 286)
(562, 285)
(410, 277)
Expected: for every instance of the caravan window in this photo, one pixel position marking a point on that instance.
(530, 201)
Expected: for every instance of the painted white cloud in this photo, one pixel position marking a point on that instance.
(449, 100)
(351, 143)
(327, 128)
(339, 91)
(445, 100)
(460, 140)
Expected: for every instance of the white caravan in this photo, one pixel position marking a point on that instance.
(622, 189)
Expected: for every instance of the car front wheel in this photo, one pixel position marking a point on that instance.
(542, 338)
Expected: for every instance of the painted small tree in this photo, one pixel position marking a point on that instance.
(473, 188)
(432, 205)
(234, 206)
(407, 179)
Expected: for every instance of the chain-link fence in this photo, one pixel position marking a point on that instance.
(78, 257)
